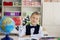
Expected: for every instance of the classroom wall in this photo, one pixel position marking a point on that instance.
(51, 18)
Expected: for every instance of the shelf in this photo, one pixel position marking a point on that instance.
(11, 15)
(31, 6)
(12, 11)
(16, 13)
(17, 6)
(22, 6)
(12, 6)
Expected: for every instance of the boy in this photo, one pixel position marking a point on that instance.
(33, 30)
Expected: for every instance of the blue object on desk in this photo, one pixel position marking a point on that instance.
(6, 26)
(7, 38)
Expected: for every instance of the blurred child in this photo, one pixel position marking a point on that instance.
(33, 30)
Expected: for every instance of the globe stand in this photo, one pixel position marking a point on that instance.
(7, 38)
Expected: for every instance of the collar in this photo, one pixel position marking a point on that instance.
(32, 25)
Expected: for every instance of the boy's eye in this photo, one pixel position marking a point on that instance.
(36, 18)
(33, 17)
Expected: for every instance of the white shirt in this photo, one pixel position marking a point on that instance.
(22, 31)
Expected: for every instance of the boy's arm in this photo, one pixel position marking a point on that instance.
(41, 33)
(22, 31)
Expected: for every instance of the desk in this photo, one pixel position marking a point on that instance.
(49, 38)
(15, 37)
(42, 38)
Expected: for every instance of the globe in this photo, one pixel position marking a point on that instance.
(6, 25)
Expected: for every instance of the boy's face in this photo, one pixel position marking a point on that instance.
(34, 19)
